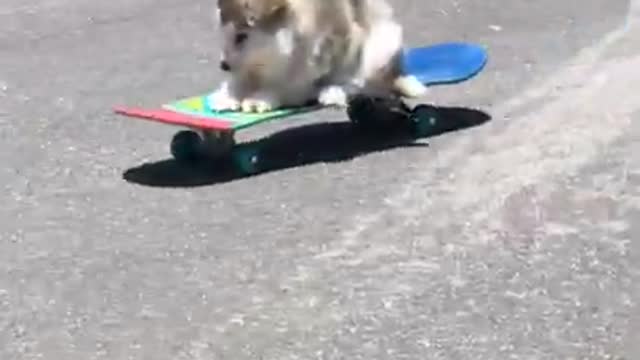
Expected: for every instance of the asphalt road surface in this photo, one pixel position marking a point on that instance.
(511, 238)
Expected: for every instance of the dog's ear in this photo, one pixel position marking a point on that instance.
(277, 6)
(276, 12)
(258, 13)
(227, 10)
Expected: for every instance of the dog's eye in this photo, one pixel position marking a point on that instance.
(240, 38)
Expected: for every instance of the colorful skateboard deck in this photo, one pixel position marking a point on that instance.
(446, 63)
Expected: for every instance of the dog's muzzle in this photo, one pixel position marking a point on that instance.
(224, 66)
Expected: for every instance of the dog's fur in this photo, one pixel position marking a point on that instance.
(289, 52)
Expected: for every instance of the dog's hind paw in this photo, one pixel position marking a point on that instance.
(333, 96)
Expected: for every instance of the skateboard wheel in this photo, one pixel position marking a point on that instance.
(424, 119)
(247, 159)
(185, 145)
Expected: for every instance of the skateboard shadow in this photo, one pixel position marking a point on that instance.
(300, 146)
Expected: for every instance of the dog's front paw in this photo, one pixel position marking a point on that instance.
(257, 105)
(222, 100)
(333, 96)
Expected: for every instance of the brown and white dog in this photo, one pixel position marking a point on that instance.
(290, 52)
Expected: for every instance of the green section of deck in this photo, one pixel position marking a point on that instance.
(197, 106)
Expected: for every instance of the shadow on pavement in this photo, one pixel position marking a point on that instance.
(300, 146)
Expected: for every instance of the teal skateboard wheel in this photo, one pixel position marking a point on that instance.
(186, 146)
(246, 158)
(424, 119)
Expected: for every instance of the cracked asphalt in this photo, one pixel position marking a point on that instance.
(512, 238)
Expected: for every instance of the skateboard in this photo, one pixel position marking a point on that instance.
(211, 133)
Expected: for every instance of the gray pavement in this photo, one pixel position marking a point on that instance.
(512, 239)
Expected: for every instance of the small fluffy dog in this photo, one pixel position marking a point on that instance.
(292, 52)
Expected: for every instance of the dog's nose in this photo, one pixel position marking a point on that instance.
(224, 66)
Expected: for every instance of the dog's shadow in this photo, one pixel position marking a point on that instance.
(299, 146)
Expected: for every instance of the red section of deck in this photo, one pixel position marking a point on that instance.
(175, 118)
